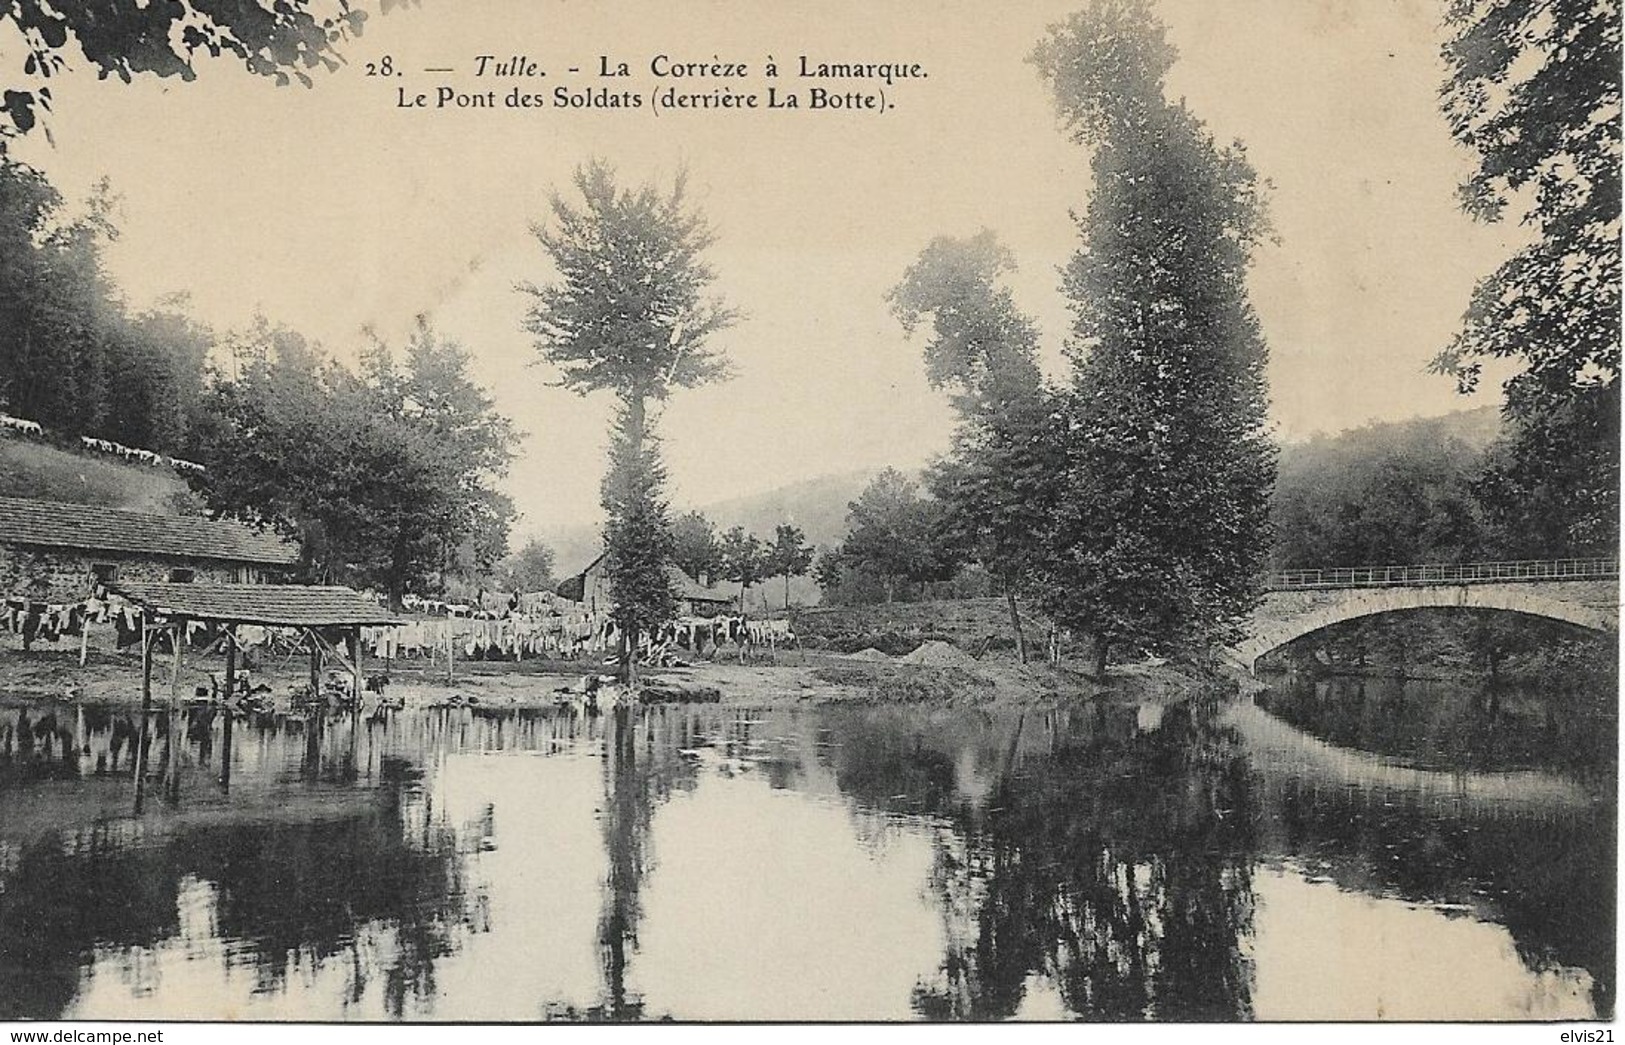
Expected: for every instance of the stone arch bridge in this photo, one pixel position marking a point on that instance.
(1584, 592)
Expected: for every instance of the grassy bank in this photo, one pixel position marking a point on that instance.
(46, 473)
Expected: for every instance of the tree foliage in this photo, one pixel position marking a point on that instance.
(788, 556)
(72, 355)
(744, 559)
(892, 535)
(1162, 533)
(530, 569)
(998, 488)
(1534, 90)
(384, 474)
(695, 548)
(637, 538)
(629, 312)
(1385, 494)
(282, 39)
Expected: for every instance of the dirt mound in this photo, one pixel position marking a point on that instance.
(939, 654)
(868, 654)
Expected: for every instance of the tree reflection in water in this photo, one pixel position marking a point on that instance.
(641, 768)
(1112, 862)
(290, 892)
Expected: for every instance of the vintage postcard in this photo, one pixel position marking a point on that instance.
(718, 512)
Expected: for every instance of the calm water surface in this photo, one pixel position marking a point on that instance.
(1122, 863)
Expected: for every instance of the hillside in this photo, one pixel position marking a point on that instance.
(46, 473)
(1475, 429)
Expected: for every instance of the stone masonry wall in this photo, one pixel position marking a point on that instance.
(62, 575)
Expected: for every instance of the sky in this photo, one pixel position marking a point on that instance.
(335, 210)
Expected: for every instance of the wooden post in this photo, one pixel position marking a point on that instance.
(146, 713)
(177, 729)
(450, 657)
(315, 664)
(355, 665)
(78, 736)
(316, 720)
(84, 639)
(231, 691)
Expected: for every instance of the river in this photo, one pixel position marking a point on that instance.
(1274, 860)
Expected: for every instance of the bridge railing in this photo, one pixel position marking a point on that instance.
(1445, 573)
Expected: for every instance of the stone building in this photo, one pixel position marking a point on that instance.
(60, 553)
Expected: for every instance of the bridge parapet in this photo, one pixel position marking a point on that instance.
(1445, 573)
(1589, 600)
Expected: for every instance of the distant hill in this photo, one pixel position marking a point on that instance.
(1475, 428)
(43, 472)
(1471, 431)
(818, 506)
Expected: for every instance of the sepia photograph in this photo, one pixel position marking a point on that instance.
(707, 512)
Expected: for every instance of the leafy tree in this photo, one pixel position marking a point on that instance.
(637, 536)
(891, 532)
(1396, 493)
(841, 582)
(998, 489)
(1161, 537)
(788, 556)
(826, 570)
(382, 474)
(629, 314)
(155, 374)
(695, 548)
(71, 355)
(744, 560)
(530, 568)
(57, 309)
(1534, 89)
(276, 38)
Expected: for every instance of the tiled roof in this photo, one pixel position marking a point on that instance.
(292, 605)
(52, 525)
(685, 587)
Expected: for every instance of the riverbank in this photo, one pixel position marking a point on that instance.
(941, 676)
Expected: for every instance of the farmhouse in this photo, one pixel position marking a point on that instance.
(590, 588)
(60, 553)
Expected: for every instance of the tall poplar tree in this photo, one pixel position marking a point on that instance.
(1162, 537)
(630, 314)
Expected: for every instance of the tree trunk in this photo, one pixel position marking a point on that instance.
(636, 419)
(397, 592)
(629, 657)
(1015, 622)
(787, 593)
(1100, 655)
(891, 589)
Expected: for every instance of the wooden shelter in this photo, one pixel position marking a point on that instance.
(328, 621)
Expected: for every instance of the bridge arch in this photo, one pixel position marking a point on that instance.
(1271, 631)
